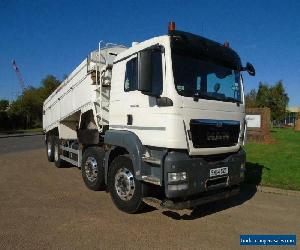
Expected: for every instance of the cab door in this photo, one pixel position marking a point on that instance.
(143, 116)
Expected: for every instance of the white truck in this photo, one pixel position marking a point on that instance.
(164, 118)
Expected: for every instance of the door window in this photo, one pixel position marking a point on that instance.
(157, 74)
(131, 78)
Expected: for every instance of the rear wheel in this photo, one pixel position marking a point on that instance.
(57, 160)
(125, 190)
(50, 148)
(92, 168)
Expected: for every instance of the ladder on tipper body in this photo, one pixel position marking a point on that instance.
(101, 75)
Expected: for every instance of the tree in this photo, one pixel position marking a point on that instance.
(29, 105)
(273, 97)
(4, 104)
(279, 101)
(49, 84)
(250, 99)
(263, 95)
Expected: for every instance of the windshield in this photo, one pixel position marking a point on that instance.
(200, 78)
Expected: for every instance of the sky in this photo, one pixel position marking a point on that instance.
(53, 37)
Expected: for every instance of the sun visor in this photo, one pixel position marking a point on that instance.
(203, 48)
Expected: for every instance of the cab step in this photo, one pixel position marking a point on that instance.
(151, 160)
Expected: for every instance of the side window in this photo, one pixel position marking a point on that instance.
(130, 83)
(157, 74)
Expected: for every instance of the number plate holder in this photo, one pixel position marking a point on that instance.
(218, 171)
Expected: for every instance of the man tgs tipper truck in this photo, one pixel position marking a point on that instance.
(164, 118)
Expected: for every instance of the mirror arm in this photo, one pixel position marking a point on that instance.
(164, 102)
(243, 68)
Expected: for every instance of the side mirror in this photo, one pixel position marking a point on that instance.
(250, 69)
(144, 71)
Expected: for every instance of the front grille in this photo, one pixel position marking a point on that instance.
(214, 133)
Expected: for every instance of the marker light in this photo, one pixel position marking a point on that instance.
(226, 44)
(171, 26)
(243, 170)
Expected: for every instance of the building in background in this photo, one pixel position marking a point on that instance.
(291, 115)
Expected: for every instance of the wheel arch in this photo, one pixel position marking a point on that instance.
(87, 133)
(124, 142)
(87, 120)
(52, 132)
(110, 155)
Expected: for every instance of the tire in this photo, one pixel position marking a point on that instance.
(125, 191)
(92, 168)
(59, 163)
(50, 148)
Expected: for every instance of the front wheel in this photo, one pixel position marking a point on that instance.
(125, 190)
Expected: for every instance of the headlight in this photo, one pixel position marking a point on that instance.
(180, 176)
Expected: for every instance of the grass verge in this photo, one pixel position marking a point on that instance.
(277, 164)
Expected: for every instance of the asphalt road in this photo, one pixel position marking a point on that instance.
(42, 206)
(21, 143)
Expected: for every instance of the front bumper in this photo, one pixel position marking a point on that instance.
(198, 169)
(202, 199)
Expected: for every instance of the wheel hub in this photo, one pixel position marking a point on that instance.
(56, 152)
(124, 184)
(49, 148)
(91, 169)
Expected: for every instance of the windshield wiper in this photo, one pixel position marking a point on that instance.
(199, 95)
(231, 99)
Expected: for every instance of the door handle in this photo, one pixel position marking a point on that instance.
(129, 119)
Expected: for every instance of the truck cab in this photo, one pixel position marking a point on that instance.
(181, 96)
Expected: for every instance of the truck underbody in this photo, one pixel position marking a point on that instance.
(199, 188)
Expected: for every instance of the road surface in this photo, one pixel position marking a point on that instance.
(42, 206)
(21, 143)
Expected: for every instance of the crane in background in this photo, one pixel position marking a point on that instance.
(22, 84)
(19, 75)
